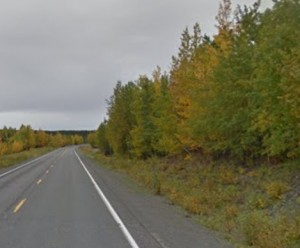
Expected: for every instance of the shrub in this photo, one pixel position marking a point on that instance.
(263, 231)
(17, 146)
(3, 149)
(276, 189)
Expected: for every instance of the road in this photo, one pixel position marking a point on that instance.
(63, 199)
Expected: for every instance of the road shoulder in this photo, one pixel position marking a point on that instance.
(151, 219)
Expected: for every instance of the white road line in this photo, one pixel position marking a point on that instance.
(23, 165)
(109, 207)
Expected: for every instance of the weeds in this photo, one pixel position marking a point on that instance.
(262, 230)
(276, 189)
(12, 159)
(241, 203)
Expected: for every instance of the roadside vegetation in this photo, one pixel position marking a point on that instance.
(16, 158)
(235, 94)
(249, 206)
(220, 133)
(25, 143)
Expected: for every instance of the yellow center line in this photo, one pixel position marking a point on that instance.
(39, 181)
(21, 203)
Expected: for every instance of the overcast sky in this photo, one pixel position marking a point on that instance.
(60, 59)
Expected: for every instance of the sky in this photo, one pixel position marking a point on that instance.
(60, 59)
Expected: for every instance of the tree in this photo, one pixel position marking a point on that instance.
(228, 122)
(164, 119)
(25, 135)
(183, 82)
(92, 139)
(121, 118)
(142, 133)
(277, 79)
(42, 138)
(57, 140)
(102, 141)
(16, 146)
(77, 139)
(7, 133)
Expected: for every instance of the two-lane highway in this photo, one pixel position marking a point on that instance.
(52, 203)
(63, 200)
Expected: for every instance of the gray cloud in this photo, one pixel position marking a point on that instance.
(60, 59)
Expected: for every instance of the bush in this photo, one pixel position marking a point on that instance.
(3, 149)
(263, 231)
(276, 189)
(17, 146)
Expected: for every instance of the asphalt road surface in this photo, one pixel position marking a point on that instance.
(64, 200)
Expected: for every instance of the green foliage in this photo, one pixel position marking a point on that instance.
(143, 133)
(26, 136)
(234, 94)
(101, 140)
(6, 134)
(164, 119)
(183, 80)
(121, 118)
(92, 139)
(278, 41)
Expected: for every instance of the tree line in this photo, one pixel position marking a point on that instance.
(25, 138)
(236, 93)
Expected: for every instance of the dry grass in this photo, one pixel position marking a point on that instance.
(251, 207)
(12, 159)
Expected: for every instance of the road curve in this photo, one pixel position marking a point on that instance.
(64, 200)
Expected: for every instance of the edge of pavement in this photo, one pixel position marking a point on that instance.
(151, 219)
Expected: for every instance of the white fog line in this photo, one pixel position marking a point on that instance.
(23, 165)
(110, 208)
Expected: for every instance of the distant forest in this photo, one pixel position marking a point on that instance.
(14, 140)
(82, 133)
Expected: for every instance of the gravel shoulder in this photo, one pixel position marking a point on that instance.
(151, 219)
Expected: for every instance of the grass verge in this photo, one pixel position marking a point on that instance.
(13, 159)
(250, 207)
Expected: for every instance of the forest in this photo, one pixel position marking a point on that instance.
(14, 140)
(233, 94)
